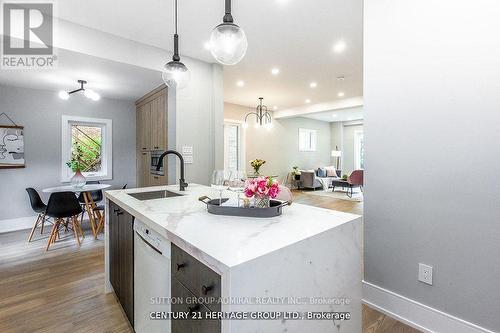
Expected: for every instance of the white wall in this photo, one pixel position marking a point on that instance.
(432, 102)
(40, 112)
(279, 147)
(348, 150)
(198, 117)
(342, 136)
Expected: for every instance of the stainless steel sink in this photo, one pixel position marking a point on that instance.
(154, 195)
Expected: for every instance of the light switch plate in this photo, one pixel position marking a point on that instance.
(425, 273)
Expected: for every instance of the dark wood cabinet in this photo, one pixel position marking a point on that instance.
(191, 280)
(121, 257)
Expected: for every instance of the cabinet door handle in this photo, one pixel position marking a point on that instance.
(180, 266)
(115, 210)
(156, 147)
(119, 212)
(144, 153)
(205, 290)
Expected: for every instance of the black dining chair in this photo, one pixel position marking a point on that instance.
(38, 207)
(63, 206)
(95, 195)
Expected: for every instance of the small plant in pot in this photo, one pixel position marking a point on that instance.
(344, 177)
(78, 180)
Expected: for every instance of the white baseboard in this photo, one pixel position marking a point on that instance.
(415, 314)
(20, 223)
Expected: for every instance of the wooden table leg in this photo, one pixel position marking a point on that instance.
(90, 211)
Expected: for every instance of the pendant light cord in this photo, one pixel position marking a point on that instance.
(175, 16)
(176, 56)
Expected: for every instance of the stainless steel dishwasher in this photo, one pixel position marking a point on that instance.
(151, 279)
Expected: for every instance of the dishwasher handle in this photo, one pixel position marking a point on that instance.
(148, 243)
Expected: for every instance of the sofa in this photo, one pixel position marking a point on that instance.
(319, 178)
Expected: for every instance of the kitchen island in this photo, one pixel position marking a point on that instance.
(297, 272)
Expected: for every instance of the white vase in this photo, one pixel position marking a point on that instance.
(78, 180)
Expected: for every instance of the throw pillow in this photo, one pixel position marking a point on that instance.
(330, 171)
(321, 172)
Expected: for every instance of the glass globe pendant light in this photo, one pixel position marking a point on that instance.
(175, 73)
(228, 42)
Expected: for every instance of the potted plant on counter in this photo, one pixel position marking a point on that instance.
(262, 189)
(256, 164)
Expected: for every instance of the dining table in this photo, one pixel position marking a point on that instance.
(96, 218)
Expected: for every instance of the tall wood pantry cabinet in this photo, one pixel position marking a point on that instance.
(151, 131)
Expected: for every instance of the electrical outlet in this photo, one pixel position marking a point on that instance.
(425, 273)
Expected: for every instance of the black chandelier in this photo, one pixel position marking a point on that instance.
(263, 116)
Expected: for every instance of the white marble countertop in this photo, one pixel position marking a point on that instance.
(225, 241)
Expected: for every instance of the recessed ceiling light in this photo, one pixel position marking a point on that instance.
(341, 94)
(334, 115)
(275, 71)
(240, 83)
(339, 47)
(313, 84)
(307, 101)
(207, 45)
(275, 107)
(349, 118)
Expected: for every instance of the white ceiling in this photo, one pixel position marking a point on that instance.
(108, 78)
(349, 114)
(295, 35)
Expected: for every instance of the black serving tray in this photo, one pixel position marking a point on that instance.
(213, 207)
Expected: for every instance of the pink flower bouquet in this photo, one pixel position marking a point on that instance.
(262, 187)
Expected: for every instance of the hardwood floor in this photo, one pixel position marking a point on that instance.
(347, 206)
(56, 291)
(63, 290)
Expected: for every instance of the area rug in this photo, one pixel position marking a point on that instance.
(357, 195)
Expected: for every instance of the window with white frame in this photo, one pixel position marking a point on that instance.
(233, 150)
(359, 150)
(87, 145)
(307, 139)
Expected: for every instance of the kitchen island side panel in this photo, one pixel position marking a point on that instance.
(326, 266)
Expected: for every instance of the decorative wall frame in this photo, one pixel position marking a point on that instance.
(11, 145)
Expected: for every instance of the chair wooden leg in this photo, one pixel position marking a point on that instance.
(81, 230)
(43, 223)
(74, 221)
(34, 227)
(100, 226)
(78, 227)
(90, 212)
(52, 233)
